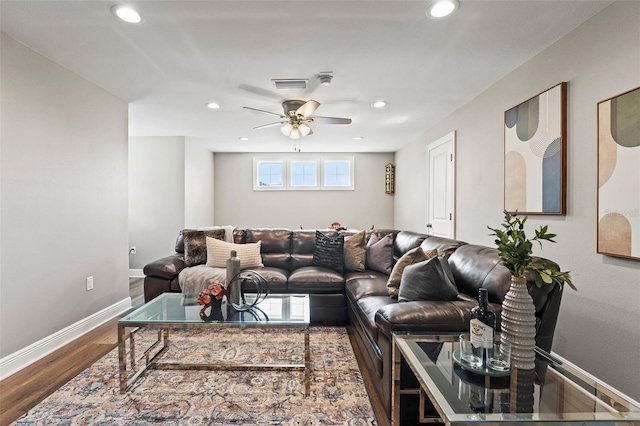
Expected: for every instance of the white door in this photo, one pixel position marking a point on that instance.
(441, 186)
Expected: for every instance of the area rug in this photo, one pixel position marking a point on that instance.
(220, 397)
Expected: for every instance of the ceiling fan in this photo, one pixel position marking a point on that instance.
(297, 116)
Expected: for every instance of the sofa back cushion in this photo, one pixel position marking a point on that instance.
(276, 245)
(303, 242)
(405, 241)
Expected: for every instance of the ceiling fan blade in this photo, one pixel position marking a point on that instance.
(331, 120)
(260, 91)
(264, 126)
(267, 112)
(308, 108)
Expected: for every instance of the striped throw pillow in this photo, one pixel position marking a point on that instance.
(219, 251)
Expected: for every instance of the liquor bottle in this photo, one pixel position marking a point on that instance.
(482, 326)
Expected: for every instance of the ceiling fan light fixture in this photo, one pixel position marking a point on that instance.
(304, 129)
(127, 14)
(442, 8)
(295, 133)
(286, 129)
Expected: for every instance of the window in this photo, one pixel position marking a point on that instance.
(303, 172)
(337, 174)
(270, 174)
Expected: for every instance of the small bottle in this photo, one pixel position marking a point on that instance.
(233, 269)
(482, 326)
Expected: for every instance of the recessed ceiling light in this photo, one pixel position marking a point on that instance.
(213, 105)
(357, 138)
(127, 14)
(243, 138)
(442, 8)
(379, 104)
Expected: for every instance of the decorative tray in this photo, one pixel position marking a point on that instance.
(484, 370)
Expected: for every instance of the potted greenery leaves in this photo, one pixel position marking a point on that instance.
(518, 311)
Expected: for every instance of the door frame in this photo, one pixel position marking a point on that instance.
(449, 138)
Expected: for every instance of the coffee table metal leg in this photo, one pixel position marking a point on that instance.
(307, 362)
(122, 359)
(395, 383)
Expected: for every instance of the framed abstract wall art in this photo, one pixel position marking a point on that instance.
(619, 175)
(535, 154)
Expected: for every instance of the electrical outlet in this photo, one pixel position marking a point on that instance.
(133, 250)
(89, 283)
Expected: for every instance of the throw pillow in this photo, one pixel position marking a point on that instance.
(426, 280)
(195, 245)
(414, 255)
(219, 251)
(380, 254)
(355, 252)
(328, 252)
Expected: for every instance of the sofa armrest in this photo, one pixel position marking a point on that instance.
(168, 267)
(425, 316)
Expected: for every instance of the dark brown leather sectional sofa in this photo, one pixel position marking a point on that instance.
(361, 299)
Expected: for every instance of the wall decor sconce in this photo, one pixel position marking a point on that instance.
(389, 179)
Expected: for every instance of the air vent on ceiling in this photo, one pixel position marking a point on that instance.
(290, 83)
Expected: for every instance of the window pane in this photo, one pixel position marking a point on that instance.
(337, 173)
(303, 173)
(270, 174)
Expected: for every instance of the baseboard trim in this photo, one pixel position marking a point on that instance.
(18, 360)
(592, 377)
(136, 273)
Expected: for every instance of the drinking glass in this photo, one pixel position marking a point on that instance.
(498, 356)
(467, 353)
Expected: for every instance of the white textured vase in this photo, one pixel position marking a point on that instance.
(519, 324)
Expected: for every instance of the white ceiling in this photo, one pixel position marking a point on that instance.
(187, 53)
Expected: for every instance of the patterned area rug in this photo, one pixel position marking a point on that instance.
(222, 397)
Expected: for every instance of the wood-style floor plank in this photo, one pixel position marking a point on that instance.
(26, 388)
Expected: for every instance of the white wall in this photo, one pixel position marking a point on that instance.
(598, 327)
(236, 203)
(64, 198)
(156, 196)
(198, 185)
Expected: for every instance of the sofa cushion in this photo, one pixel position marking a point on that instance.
(218, 252)
(276, 277)
(425, 315)
(329, 252)
(355, 252)
(195, 245)
(405, 241)
(276, 245)
(426, 281)
(315, 279)
(364, 287)
(414, 255)
(380, 253)
(366, 309)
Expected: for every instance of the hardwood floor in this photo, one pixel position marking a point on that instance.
(26, 388)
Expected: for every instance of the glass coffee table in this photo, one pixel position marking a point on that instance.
(444, 392)
(171, 311)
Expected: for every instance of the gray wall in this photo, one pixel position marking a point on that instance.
(64, 198)
(236, 203)
(170, 188)
(198, 185)
(156, 196)
(598, 327)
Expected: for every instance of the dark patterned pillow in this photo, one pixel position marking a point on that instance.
(426, 280)
(328, 252)
(195, 245)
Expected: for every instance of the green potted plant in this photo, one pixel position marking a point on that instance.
(518, 311)
(516, 249)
